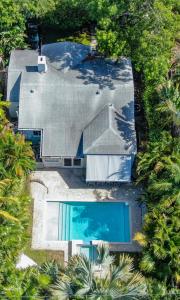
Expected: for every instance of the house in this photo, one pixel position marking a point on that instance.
(79, 107)
(78, 111)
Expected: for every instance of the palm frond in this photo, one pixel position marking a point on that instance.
(7, 216)
(159, 251)
(62, 290)
(123, 270)
(104, 258)
(52, 269)
(126, 262)
(147, 263)
(8, 199)
(80, 269)
(160, 186)
(82, 292)
(5, 182)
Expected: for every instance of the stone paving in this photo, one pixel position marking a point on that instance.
(69, 185)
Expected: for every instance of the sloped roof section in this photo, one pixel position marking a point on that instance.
(109, 133)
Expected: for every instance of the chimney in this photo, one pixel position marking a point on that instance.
(42, 65)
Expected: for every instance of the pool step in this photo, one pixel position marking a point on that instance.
(64, 221)
(60, 221)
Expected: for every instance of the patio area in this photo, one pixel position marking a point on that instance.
(51, 185)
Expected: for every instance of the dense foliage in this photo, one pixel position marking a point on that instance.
(82, 279)
(12, 27)
(16, 161)
(159, 170)
(146, 31)
(159, 167)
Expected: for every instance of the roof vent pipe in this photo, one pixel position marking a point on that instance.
(42, 65)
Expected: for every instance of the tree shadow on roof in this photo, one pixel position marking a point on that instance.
(65, 55)
(104, 73)
(124, 124)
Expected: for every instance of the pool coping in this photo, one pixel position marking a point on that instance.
(114, 243)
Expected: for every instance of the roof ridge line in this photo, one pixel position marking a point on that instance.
(95, 116)
(95, 141)
(109, 114)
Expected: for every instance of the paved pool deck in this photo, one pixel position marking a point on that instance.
(55, 184)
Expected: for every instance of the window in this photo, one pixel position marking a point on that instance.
(67, 162)
(77, 162)
(36, 133)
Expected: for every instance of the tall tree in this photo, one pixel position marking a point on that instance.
(16, 161)
(159, 169)
(83, 279)
(12, 27)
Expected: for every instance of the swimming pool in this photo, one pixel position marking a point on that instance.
(87, 221)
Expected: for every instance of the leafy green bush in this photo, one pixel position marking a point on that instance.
(25, 284)
(68, 15)
(12, 27)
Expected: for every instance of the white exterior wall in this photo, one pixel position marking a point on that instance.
(108, 168)
(58, 162)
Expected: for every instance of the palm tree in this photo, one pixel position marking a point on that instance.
(25, 284)
(17, 157)
(160, 242)
(153, 161)
(166, 185)
(51, 269)
(170, 103)
(84, 279)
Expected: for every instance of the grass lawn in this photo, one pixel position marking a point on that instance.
(40, 256)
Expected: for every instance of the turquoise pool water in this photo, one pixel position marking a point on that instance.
(87, 221)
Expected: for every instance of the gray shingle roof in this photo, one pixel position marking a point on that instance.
(63, 101)
(108, 133)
